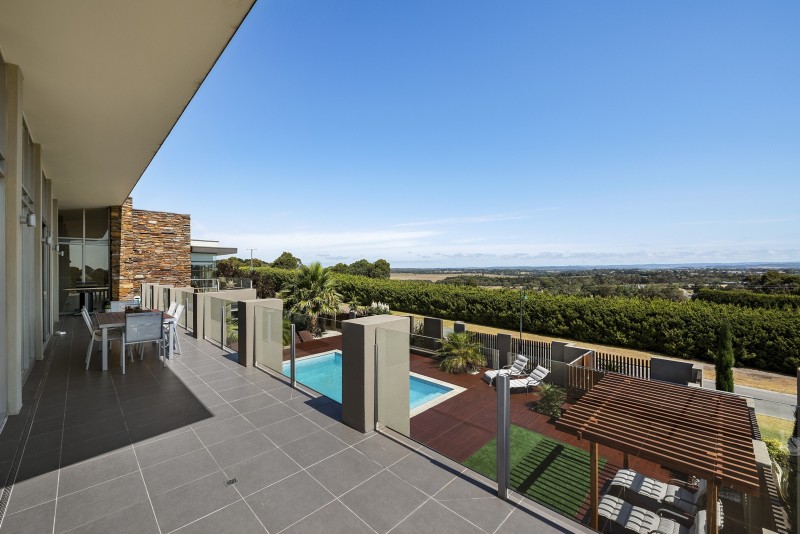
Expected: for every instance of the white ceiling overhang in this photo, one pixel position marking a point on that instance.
(104, 82)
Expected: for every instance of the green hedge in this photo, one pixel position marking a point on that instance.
(748, 299)
(763, 338)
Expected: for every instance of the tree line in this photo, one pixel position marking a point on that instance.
(240, 267)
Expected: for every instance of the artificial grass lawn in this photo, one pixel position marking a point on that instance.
(548, 471)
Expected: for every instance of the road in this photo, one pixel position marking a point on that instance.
(767, 402)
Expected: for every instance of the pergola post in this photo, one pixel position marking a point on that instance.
(594, 498)
(712, 510)
(625, 461)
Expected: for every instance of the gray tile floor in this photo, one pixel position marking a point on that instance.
(151, 451)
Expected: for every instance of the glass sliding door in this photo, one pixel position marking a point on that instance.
(84, 259)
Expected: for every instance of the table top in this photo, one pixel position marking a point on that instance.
(117, 319)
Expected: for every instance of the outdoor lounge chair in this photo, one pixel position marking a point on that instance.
(622, 517)
(515, 369)
(650, 492)
(533, 380)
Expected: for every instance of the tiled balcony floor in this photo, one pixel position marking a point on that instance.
(151, 451)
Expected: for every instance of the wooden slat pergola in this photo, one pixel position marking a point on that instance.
(691, 430)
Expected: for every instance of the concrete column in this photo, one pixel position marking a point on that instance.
(359, 377)
(252, 334)
(13, 237)
(504, 348)
(459, 327)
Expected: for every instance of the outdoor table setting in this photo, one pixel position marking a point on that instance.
(117, 320)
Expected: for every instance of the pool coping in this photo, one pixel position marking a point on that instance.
(454, 389)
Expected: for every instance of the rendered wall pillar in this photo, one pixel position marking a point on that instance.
(459, 327)
(504, 349)
(358, 370)
(433, 330)
(272, 342)
(13, 237)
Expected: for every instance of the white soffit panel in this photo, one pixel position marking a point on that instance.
(106, 80)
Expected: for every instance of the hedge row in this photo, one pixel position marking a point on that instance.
(748, 299)
(763, 338)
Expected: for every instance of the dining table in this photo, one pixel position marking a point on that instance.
(117, 320)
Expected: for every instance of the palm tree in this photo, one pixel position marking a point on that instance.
(459, 353)
(313, 294)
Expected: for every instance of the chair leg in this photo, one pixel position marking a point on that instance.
(122, 348)
(177, 343)
(89, 352)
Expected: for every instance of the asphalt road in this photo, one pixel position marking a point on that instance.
(767, 402)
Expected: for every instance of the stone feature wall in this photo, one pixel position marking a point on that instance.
(148, 246)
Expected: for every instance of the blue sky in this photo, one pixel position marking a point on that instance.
(465, 133)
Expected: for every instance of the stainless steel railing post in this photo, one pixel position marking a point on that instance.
(503, 426)
(291, 360)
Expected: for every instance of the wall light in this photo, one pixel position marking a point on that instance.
(31, 220)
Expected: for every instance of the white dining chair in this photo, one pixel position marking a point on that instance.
(142, 327)
(172, 325)
(97, 334)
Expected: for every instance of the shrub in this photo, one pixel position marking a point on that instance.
(552, 399)
(778, 453)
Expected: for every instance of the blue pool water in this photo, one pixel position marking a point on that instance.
(323, 373)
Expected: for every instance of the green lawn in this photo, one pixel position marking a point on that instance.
(548, 471)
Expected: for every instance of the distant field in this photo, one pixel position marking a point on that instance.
(435, 277)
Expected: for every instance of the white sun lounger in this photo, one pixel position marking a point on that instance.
(674, 494)
(515, 369)
(624, 518)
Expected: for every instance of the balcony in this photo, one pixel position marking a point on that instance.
(207, 445)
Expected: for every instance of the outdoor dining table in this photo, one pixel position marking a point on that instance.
(117, 320)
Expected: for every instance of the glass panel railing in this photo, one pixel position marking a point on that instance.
(270, 338)
(188, 313)
(547, 465)
(164, 301)
(318, 349)
(214, 319)
(231, 333)
(393, 390)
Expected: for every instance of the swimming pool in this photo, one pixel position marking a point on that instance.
(323, 373)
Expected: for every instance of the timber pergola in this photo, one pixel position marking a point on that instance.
(690, 430)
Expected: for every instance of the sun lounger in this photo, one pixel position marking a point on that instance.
(622, 517)
(533, 380)
(516, 369)
(675, 493)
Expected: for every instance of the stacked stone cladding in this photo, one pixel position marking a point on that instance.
(148, 246)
